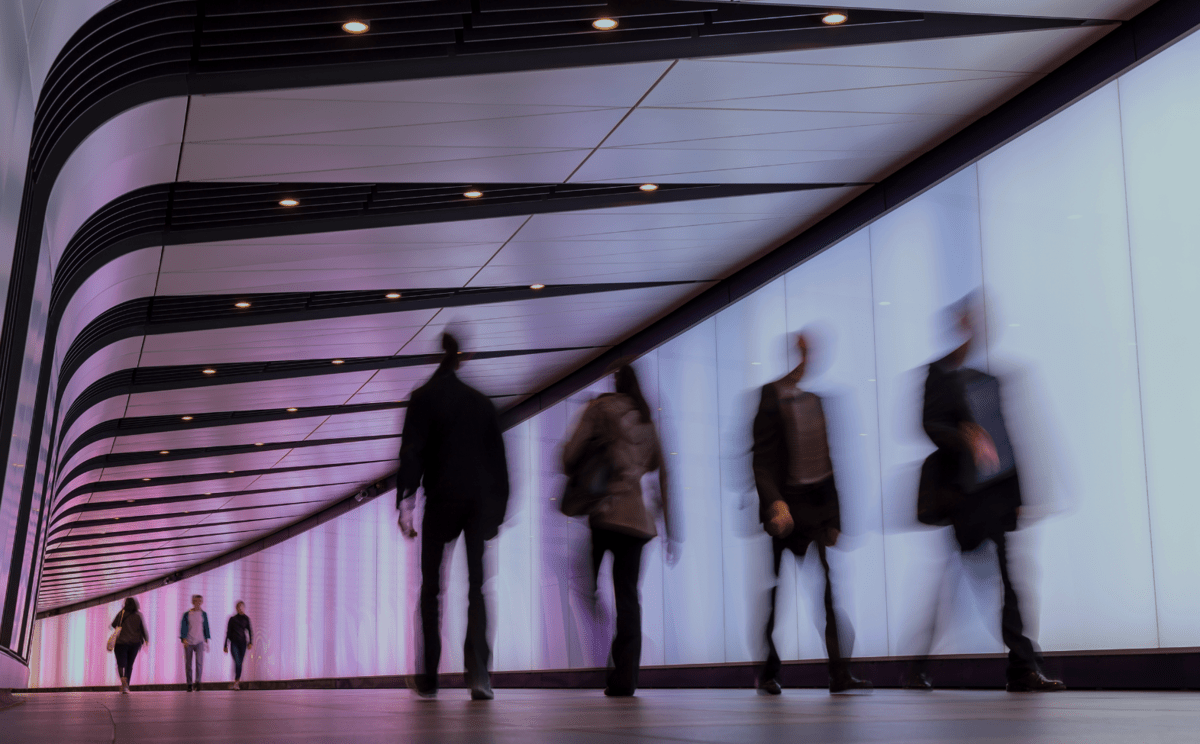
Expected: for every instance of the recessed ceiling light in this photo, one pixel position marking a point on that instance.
(604, 24)
(288, 203)
(243, 304)
(145, 479)
(473, 194)
(164, 452)
(209, 371)
(835, 18)
(649, 187)
(230, 471)
(187, 418)
(392, 295)
(208, 493)
(258, 444)
(338, 361)
(17, 465)
(537, 286)
(356, 27)
(128, 501)
(292, 410)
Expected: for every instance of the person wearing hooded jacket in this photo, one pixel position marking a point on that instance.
(621, 523)
(452, 446)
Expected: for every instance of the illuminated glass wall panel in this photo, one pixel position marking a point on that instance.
(1079, 240)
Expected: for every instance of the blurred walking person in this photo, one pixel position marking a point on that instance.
(798, 506)
(453, 447)
(239, 638)
(194, 635)
(616, 429)
(970, 482)
(130, 635)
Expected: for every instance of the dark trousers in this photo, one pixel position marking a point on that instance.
(1023, 655)
(833, 647)
(476, 653)
(627, 564)
(126, 653)
(238, 652)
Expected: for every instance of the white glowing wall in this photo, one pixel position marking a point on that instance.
(1082, 235)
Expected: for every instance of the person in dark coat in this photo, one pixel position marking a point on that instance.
(129, 640)
(239, 637)
(970, 483)
(798, 506)
(452, 446)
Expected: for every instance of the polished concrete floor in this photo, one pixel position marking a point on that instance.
(583, 716)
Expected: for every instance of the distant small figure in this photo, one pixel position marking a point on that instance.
(619, 423)
(130, 637)
(452, 445)
(970, 482)
(798, 505)
(194, 635)
(240, 638)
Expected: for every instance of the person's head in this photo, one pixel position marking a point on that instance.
(197, 600)
(963, 317)
(450, 357)
(131, 605)
(625, 382)
(240, 607)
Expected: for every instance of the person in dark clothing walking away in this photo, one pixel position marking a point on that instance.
(798, 506)
(970, 482)
(129, 640)
(621, 524)
(238, 638)
(193, 633)
(453, 447)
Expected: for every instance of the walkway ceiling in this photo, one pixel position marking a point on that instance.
(754, 120)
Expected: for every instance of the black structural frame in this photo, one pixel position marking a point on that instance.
(135, 51)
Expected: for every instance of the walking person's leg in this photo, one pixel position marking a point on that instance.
(121, 653)
(199, 663)
(476, 653)
(627, 644)
(188, 652)
(1024, 659)
(238, 652)
(768, 675)
(429, 644)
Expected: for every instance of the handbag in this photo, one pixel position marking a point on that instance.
(112, 639)
(587, 484)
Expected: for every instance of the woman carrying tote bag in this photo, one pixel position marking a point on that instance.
(127, 640)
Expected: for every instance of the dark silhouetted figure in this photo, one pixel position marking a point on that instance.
(620, 423)
(452, 445)
(130, 637)
(239, 637)
(798, 505)
(970, 482)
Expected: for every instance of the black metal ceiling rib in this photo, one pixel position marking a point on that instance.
(179, 377)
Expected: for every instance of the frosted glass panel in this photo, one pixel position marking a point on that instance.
(1160, 111)
(1060, 315)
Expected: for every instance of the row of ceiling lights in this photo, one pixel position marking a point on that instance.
(832, 18)
(472, 194)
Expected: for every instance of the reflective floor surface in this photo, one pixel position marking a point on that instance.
(585, 716)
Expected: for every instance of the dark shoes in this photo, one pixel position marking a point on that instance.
(849, 683)
(1034, 681)
(482, 692)
(768, 687)
(917, 681)
(189, 689)
(617, 692)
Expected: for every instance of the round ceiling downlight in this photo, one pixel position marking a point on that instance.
(605, 24)
(209, 371)
(292, 410)
(473, 194)
(243, 305)
(537, 286)
(835, 18)
(649, 187)
(288, 203)
(392, 295)
(356, 27)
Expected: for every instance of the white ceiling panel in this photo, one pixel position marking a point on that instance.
(1116, 9)
(126, 278)
(123, 354)
(357, 473)
(377, 449)
(1027, 51)
(152, 490)
(608, 86)
(287, 430)
(362, 424)
(301, 392)
(682, 166)
(370, 335)
(108, 409)
(248, 461)
(598, 319)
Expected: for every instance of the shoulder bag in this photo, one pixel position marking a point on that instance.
(112, 639)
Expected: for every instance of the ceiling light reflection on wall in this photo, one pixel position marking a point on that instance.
(604, 24)
(649, 187)
(835, 18)
(288, 203)
(473, 194)
(356, 27)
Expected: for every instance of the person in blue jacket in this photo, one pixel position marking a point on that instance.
(194, 635)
